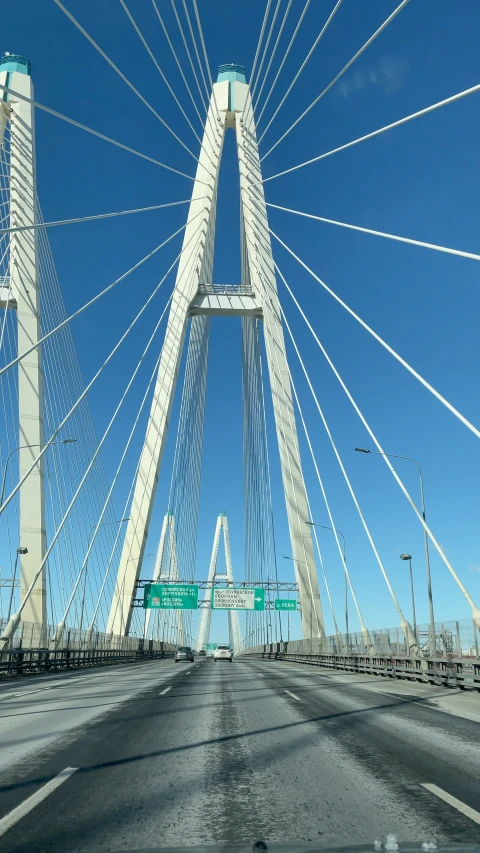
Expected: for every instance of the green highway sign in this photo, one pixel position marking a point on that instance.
(211, 646)
(238, 598)
(170, 596)
(285, 604)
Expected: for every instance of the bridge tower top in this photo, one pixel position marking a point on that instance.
(15, 62)
(231, 72)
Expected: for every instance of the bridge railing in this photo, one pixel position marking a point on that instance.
(456, 662)
(32, 649)
(460, 638)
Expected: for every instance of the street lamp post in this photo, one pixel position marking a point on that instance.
(325, 527)
(432, 642)
(19, 551)
(24, 447)
(409, 558)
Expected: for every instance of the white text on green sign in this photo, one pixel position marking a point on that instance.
(238, 598)
(285, 604)
(159, 596)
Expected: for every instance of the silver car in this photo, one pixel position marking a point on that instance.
(184, 653)
(223, 653)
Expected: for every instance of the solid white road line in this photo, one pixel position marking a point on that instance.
(24, 808)
(292, 695)
(165, 691)
(452, 801)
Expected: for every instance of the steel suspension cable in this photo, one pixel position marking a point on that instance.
(118, 590)
(273, 357)
(41, 225)
(125, 449)
(95, 298)
(339, 75)
(292, 84)
(92, 381)
(347, 480)
(395, 237)
(192, 66)
(187, 49)
(292, 40)
(6, 89)
(157, 66)
(265, 49)
(381, 451)
(205, 55)
(64, 359)
(274, 50)
(179, 66)
(16, 617)
(381, 130)
(383, 343)
(123, 77)
(194, 42)
(262, 30)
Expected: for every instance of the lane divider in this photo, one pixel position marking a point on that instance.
(292, 694)
(162, 692)
(24, 808)
(452, 801)
(81, 680)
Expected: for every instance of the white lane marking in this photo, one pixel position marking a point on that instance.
(188, 672)
(292, 695)
(165, 691)
(452, 801)
(64, 682)
(24, 808)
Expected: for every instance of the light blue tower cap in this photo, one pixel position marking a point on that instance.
(15, 62)
(232, 73)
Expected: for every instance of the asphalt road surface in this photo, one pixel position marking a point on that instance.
(161, 754)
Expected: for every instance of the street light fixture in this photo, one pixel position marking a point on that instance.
(19, 551)
(408, 557)
(432, 642)
(25, 447)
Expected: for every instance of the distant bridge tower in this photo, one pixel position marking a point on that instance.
(166, 568)
(21, 292)
(254, 300)
(205, 619)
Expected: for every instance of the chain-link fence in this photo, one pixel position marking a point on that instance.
(459, 639)
(30, 635)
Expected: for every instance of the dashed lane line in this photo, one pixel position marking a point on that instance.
(452, 801)
(24, 808)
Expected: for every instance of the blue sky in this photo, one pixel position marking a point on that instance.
(421, 181)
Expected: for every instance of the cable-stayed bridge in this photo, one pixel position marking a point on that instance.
(102, 500)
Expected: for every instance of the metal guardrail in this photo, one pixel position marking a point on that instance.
(449, 671)
(229, 289)
(25, 661)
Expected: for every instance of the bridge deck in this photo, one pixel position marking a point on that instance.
(172, 754)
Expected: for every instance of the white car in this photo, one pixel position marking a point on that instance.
(223, 653)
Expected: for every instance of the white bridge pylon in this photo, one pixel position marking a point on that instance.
(205, 619)
(255, 298)
(166, 572)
